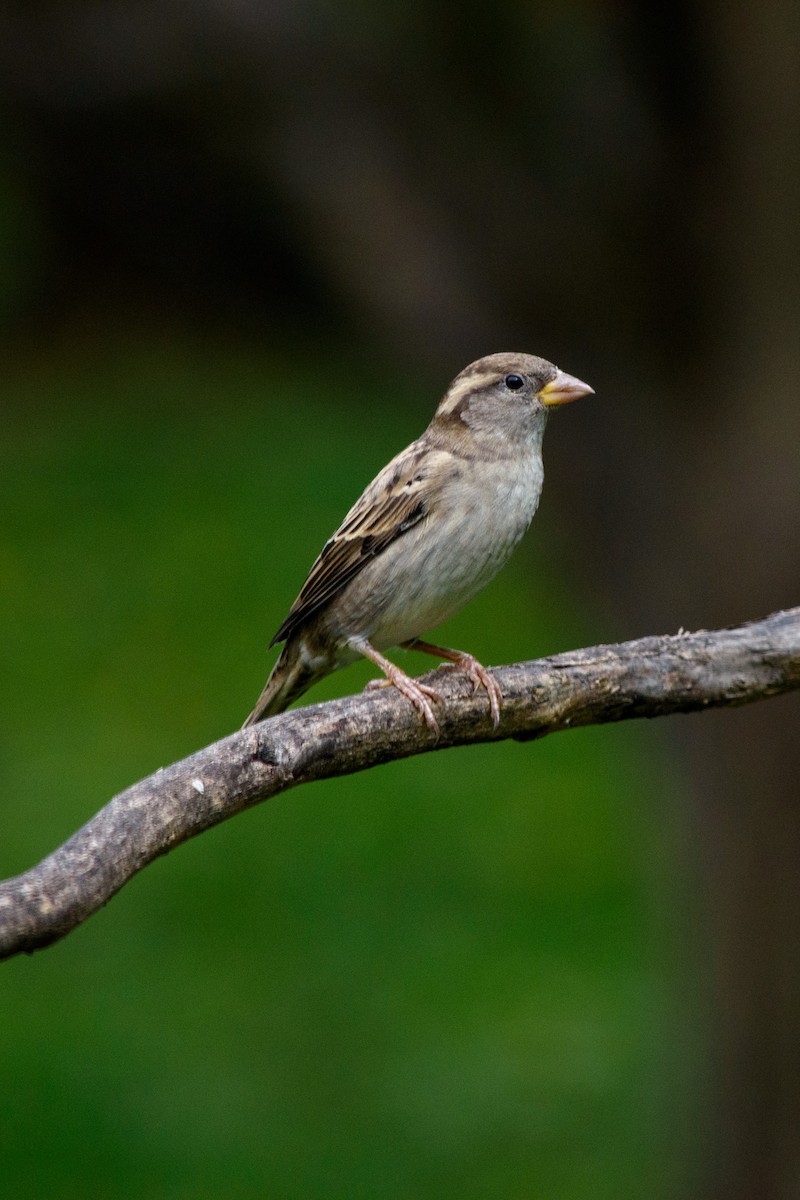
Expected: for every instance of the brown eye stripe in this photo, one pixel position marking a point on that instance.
(464, 389)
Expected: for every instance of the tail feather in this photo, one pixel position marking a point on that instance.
(288, 679)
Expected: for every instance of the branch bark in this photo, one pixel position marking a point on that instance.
(651, 677)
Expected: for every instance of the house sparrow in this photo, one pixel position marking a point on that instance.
(432, 529)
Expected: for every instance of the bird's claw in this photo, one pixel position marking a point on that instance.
(418, 693)
(478, 676)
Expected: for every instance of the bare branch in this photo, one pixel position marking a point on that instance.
(651, 677)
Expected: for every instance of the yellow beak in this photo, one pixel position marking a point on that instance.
(563, 390)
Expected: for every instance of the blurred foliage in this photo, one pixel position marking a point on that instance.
(445, 977)
(243, 247)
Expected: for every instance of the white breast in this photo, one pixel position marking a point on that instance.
(434, 569)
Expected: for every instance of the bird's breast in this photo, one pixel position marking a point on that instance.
(435, 568)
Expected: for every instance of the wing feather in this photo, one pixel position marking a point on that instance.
(401, 496)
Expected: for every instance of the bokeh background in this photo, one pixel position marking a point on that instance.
(245, 245)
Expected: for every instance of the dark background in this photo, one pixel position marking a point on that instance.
(244, 248)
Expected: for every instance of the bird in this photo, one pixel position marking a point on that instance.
(430, 531)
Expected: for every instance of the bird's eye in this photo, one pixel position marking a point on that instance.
(514, 382)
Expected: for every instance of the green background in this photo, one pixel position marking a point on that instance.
(456, 975)
(244, 246)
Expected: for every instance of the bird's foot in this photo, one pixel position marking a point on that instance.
(419, 694)
(477, 674)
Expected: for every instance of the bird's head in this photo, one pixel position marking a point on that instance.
(510, 382)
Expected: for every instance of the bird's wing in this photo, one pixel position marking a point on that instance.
(401, 496)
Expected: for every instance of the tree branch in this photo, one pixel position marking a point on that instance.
(651, 677)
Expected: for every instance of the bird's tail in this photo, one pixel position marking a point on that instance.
(288, 679)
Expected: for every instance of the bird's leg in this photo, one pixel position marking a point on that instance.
(417, 693)
(477, 674)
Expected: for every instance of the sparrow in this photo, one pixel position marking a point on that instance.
(430, 531)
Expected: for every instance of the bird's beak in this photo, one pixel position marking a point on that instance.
(563, 390)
